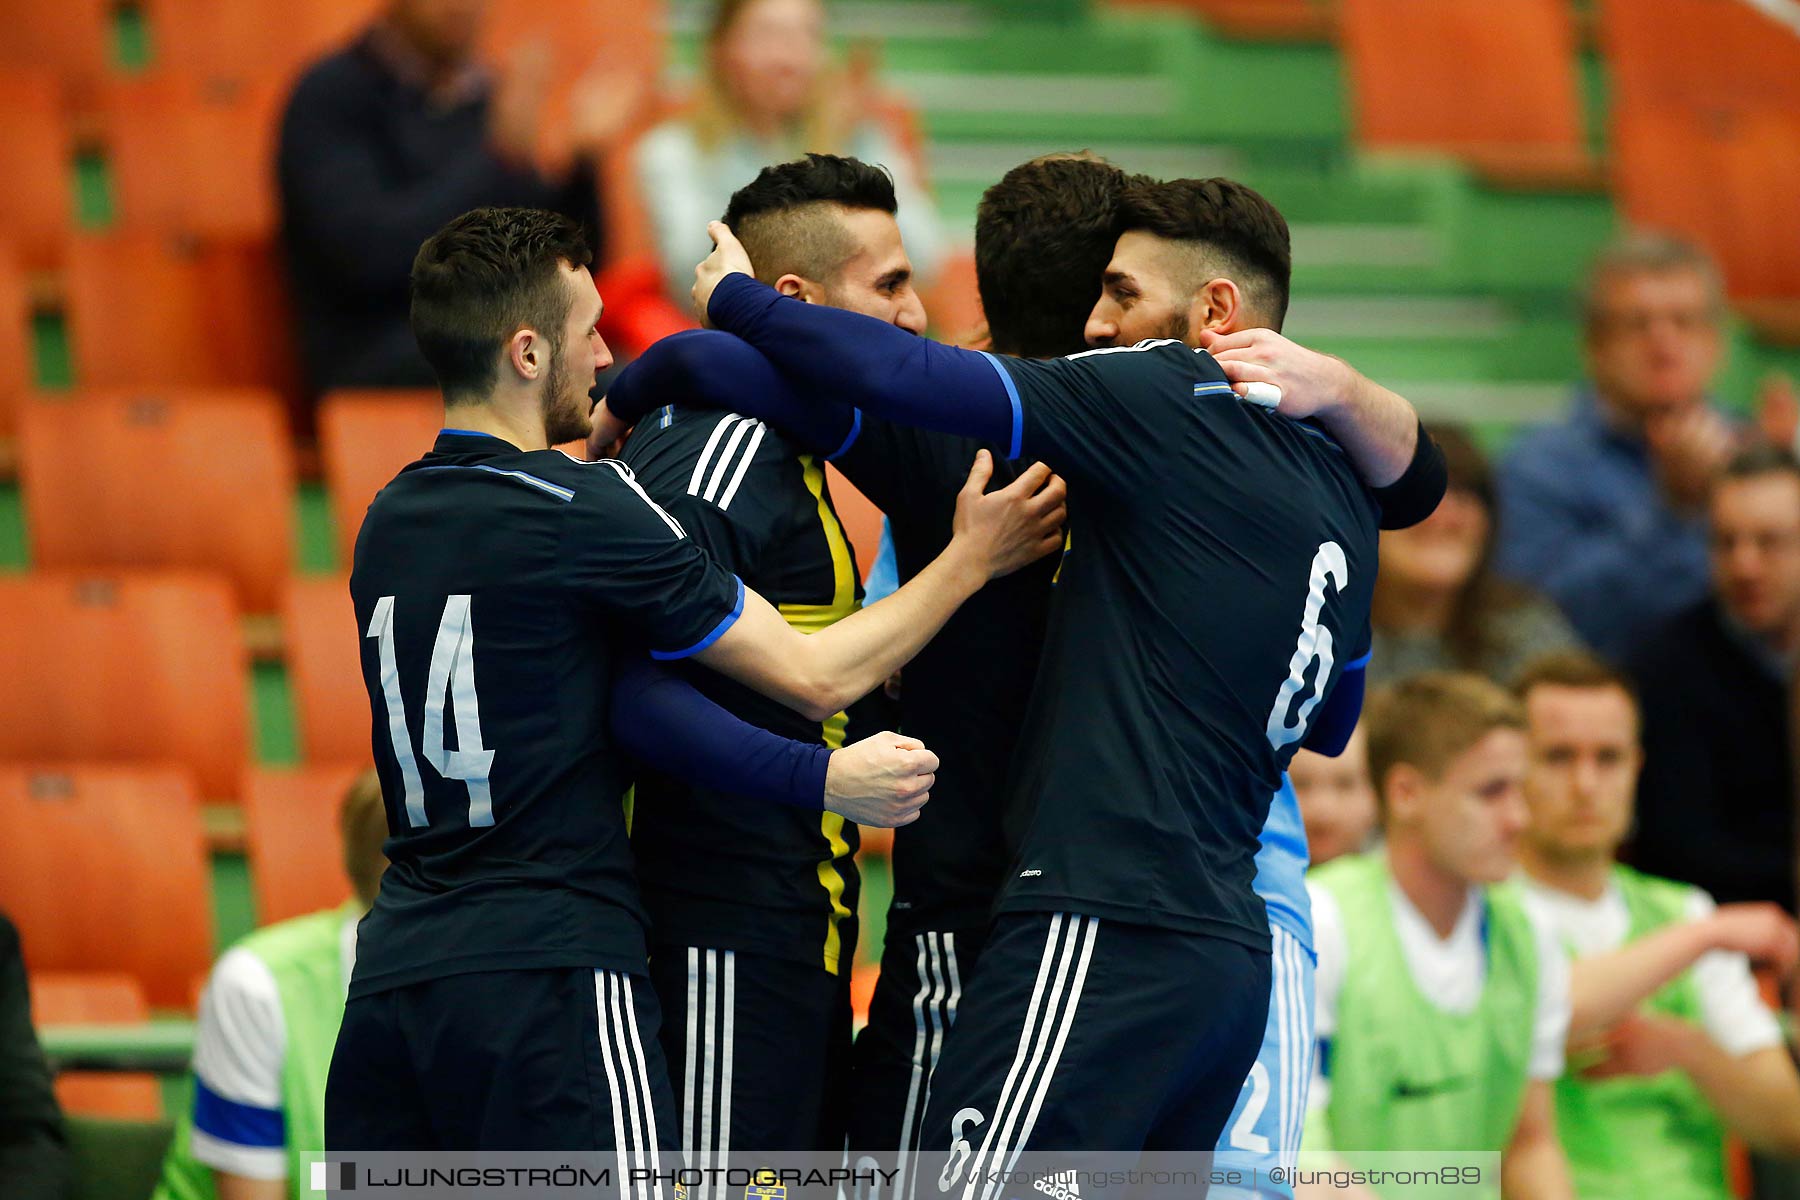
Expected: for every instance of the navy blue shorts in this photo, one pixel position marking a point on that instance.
(760, 1054)
(1078, 1034)
(563, 1059)
(916, 998)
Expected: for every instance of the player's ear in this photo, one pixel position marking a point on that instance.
(800, 288)
(1217, 306)
(1404, 792)
(526, 353)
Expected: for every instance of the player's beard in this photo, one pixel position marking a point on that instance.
(1178, 327)
(565, 409)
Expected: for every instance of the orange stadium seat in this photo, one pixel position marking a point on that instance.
(97, 998)
(122, 668)
(15, 341)
(70, 37)
(1701, 54)
(1493, 84)
(174, 311)
(193, 158)
(104, 868)
(290, 819)
(251, 41)
(122, 479)
(365, 437)
(324, 670)
(37, 160)
(860, 518)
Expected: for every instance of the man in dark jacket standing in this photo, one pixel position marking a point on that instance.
(1716, 799)
(383, 142)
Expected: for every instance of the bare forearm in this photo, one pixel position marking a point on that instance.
(856, 655)
(1756, 1095)
(237, 1187)
(1534, 1169)
(1377, 427)
(1605, 988)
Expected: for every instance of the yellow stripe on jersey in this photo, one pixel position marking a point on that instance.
(810, 618)
(1067, 541)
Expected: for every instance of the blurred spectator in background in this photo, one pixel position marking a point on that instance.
(1337, 802)
(268, 1021)
(1443, 1002)
(1604, 511)
(1439, 605)
(1716, 803)
(1648, 1112)
(767, 94)
(33, 1157)
(386, 140)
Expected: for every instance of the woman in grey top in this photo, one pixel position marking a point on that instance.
(1438, 604)
(767, 93)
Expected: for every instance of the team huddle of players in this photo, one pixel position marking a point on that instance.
(1100, 936)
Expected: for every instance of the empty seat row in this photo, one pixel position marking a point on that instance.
(104, 867)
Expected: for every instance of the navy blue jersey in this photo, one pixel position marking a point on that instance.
(1218, 580)
(718, 869)
(949, 864)
(492, 587)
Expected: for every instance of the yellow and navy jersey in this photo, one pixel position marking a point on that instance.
(493, 588)
(716, 869)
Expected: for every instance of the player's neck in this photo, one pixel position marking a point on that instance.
(1584, 875)
(1438, 895)
(498, 420)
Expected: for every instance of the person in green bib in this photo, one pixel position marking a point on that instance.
(268, 1021)
(1442, 1002)
(1692, 1051)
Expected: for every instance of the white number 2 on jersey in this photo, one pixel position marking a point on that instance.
(1328, 567)
(451, 680)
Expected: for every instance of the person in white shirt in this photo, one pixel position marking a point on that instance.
(268, 1019)
(1443, 1003)
(1689, 1050)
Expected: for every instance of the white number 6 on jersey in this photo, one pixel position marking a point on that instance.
(1328, 567)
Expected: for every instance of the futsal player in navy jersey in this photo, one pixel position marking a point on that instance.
(1216, 586)
(499, 998)
(1044, 234)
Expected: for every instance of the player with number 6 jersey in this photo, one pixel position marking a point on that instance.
(1217, 585)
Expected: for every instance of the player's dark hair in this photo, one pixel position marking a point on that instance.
(483, 277)
(1043, 237)
(785, 216)
(1239, 234)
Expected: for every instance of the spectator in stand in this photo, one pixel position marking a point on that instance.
(1443, 1001)
(1337, 801)
(1716, 801)
(268, 1021)
(1690, 1049)
(767, 94)
(1438, 604)
(1604, 511)
(386, 140)
(33, 1156)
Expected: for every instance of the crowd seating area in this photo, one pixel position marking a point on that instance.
(180, 695)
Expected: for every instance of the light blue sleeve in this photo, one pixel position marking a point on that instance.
(884, 574)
